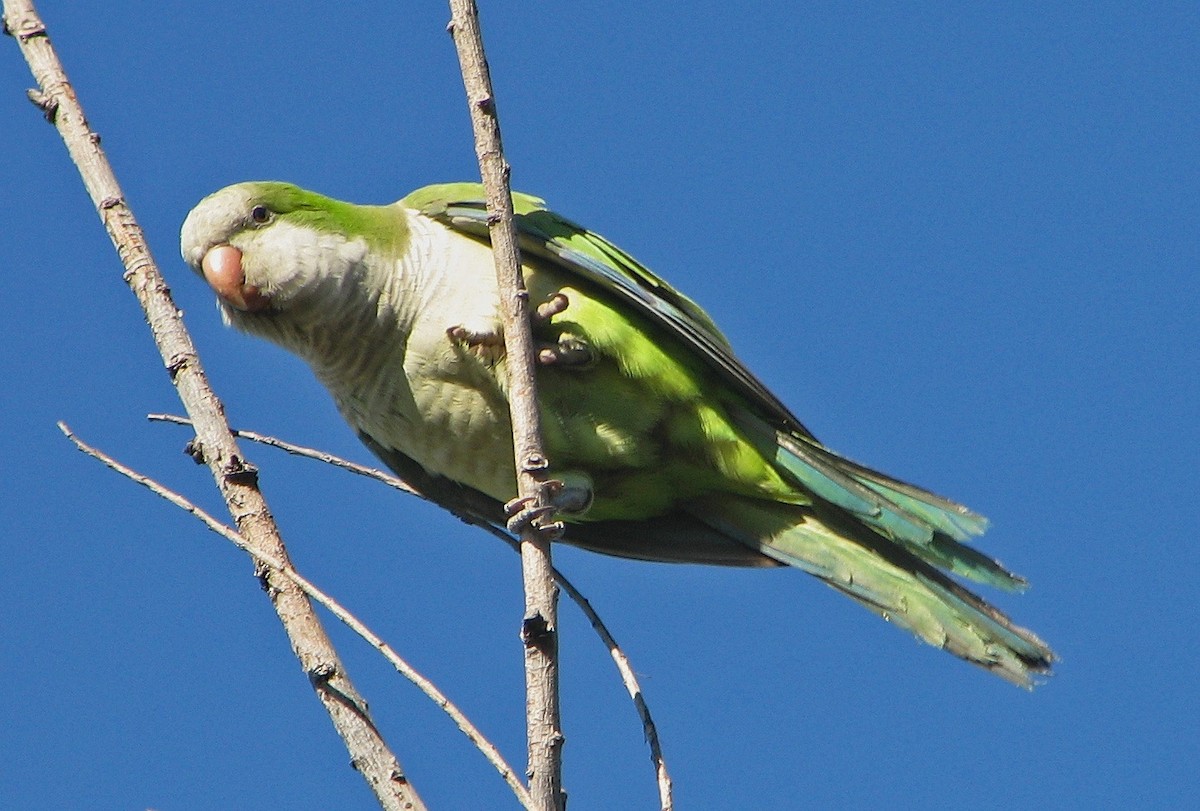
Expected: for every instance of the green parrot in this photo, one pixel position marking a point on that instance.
(665, 447)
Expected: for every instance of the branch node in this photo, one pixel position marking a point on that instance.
(534, 463)
(195, 449)
(487, 105)
(48, 105)
(28, 29)
(177, 363)
(536, 632)
(237, 470)
(321, 674)
(262, 572)
(111, 202)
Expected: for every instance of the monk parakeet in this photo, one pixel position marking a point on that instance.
(666, 446)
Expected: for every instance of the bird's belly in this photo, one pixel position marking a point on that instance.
(464, 433)
(447, 413)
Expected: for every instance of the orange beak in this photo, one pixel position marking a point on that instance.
(222, 267)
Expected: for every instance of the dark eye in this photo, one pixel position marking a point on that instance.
(260, 214)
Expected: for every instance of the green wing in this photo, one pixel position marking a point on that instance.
(927, 524)
(877, 539)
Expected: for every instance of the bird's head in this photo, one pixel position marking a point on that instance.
(269, 248)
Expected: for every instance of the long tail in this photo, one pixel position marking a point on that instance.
(886, 577)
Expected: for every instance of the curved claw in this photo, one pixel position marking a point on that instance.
(523, 513)
(572, 495)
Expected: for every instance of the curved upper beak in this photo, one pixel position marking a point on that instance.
(222, 267)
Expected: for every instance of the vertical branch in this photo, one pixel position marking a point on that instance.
(540, 629)
(236, 479)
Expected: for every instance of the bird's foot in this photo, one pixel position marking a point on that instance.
(484, 342)
(524, 513)
(552, 306)
(572, 494)
(475, 337)
(567, 352)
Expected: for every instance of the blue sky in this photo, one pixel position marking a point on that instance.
(959, 240)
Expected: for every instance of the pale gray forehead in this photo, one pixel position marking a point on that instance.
(213, 220)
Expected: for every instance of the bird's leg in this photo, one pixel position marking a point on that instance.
(572, 494)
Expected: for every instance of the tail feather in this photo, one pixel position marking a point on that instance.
(937, 512)
(972, 564)
(885, 576)
(927, 525)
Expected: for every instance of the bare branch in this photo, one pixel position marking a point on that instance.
(311, 453)
(224, 530)
(624, 667)
(540, 630)
(333, 606)
(235, 478)
(662, 777)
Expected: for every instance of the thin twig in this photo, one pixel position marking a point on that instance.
(540, 628)
(333, 606)
(235, 478)
(310, 453)
(624, 667)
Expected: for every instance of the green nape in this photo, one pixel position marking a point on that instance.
(384, 228)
